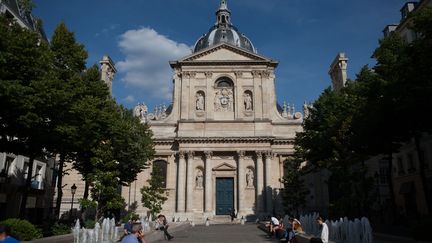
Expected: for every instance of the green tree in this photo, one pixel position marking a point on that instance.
(25, 122)
(294, 192)
(153, 194)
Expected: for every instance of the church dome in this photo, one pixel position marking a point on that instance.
(224, 32)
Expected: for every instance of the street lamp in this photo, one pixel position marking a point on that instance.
(73, 190)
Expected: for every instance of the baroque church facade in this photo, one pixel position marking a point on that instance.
(222, 143)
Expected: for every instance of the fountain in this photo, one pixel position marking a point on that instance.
(76, 231)
(108, 233)
(342, 230)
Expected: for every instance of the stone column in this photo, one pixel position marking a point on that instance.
(268, 188)
(208, 183)
(189, 181)
(241, 180)
(181, 182)
(259, 182)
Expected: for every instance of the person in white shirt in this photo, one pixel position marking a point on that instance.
(324, 232)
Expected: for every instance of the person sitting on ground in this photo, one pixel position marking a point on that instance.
(5, 236)
(136, 235)
(324, 232)
(162, 224)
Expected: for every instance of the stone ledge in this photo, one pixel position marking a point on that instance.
(53, 239)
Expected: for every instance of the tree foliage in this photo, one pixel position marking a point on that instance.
(153, 194)
(375, 114)
(294, 192)
(50, 103)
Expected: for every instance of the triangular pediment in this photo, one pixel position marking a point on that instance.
(224, 167)
(224, 52)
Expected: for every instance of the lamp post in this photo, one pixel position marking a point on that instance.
(73, 190)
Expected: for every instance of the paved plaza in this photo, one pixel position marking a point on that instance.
(219, 233)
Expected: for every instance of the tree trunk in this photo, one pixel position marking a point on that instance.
(86, 189)
(59, 185)
(422, 171)
(27, 187)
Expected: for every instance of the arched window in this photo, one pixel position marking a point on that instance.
(224, 82)
(160, 170)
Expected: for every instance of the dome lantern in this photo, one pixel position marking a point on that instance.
(224, 32)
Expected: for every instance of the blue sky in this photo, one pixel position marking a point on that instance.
(141, 36)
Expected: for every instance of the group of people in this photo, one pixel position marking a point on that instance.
(294, 227)
(133, 231)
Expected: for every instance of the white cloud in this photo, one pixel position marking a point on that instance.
(147, 54)
(129, 99)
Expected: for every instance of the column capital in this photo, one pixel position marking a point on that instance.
(269, 154)
(259, 154)
(190, 154)
(241, 154)
(208, 154)
(208, 74)
(181, 154)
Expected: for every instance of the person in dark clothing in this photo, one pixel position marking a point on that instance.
(233, 215)
(162, 224)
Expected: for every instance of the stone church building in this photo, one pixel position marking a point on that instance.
(222, 143)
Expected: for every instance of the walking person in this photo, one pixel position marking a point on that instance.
(233, 214)
(324, 232)
(162, 224)
(5, 236)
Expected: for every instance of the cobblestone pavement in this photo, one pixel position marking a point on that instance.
(220, 233)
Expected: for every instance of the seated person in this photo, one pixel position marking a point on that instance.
(324, 236)
(297, 227)
(5, 237)
(162, 224)
(127, 229)
(275, 225)
(136, 235)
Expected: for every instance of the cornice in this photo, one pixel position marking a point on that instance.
(224, 139)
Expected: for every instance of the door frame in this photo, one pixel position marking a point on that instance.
(233, 194)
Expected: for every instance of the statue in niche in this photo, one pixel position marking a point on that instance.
(199, 179)
(248, 102)
(250, 178)
(200, 103)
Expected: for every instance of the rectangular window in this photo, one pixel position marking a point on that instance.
(383, 176)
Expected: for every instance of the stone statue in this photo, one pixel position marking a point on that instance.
(217, 101)
(248, 102)
(140, 111)
(250, 178)
(199, 179)
(200, 102)
(306, 110)
(224, 100)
